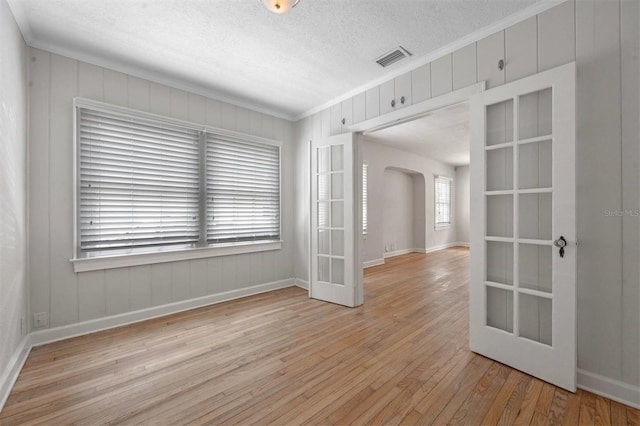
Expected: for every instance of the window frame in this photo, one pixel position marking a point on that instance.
(442, 225)
(163, 254)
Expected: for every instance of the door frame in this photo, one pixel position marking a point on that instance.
(394, 118)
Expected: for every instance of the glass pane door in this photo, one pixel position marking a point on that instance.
(332, 275)
(518, 199)
(330, 207)
(523, 285)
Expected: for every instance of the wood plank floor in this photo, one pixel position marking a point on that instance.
(282, 358)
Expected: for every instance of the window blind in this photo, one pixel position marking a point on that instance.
(443, 200)
(364, 199)
(138, 182)
(243, 190)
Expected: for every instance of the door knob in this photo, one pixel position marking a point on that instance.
(561, 244)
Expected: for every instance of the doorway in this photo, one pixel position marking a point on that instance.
(523, 143)
(417, 185)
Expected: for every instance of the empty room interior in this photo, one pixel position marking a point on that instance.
(320, 211)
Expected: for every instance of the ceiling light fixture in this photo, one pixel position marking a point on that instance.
(280, 6)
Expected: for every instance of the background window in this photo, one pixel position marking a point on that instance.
(443, 201)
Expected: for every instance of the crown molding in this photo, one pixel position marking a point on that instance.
(158, 77)
(181, 84)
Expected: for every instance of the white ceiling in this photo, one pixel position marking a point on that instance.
(442, 135)
(236, 49)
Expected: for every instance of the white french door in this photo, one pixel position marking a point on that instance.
(523, 284)
(333, 272)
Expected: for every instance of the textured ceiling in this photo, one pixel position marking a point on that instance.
(442, 135)
(236, 49)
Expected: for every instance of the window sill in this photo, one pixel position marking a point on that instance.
(126, 260)
(442, 227)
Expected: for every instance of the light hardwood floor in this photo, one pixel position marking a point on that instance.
(282, 358)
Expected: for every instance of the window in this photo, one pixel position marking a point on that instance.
(149, 184)
(442, 202)
(364, 199)
(243, 191)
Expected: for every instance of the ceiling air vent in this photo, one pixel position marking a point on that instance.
(393, 56)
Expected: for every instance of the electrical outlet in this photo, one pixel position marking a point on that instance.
(40, 320)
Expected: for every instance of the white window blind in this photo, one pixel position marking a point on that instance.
(146, 182)
(243, 190)
(138, 182)
(443, 200)
(364, 199)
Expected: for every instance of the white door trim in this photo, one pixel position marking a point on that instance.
(418, 110)
(400, 116)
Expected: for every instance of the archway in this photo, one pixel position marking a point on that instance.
(403, 210)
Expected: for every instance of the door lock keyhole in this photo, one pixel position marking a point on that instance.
(561, 244)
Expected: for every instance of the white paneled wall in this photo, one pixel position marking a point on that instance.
(598, 95)
(442, 76)
(70, 298)
(13, 194)
(307, 129)
(463, 67)
(630, 126)
(602, 37)
(521, 37)
(607, 343)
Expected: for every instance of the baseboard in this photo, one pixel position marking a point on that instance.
(413, 250)
(444, 246)
(302, 284)
(399, 252)
(11, 372)
(374, 262)
(604, 386)
(73, 330)
(609, 388)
